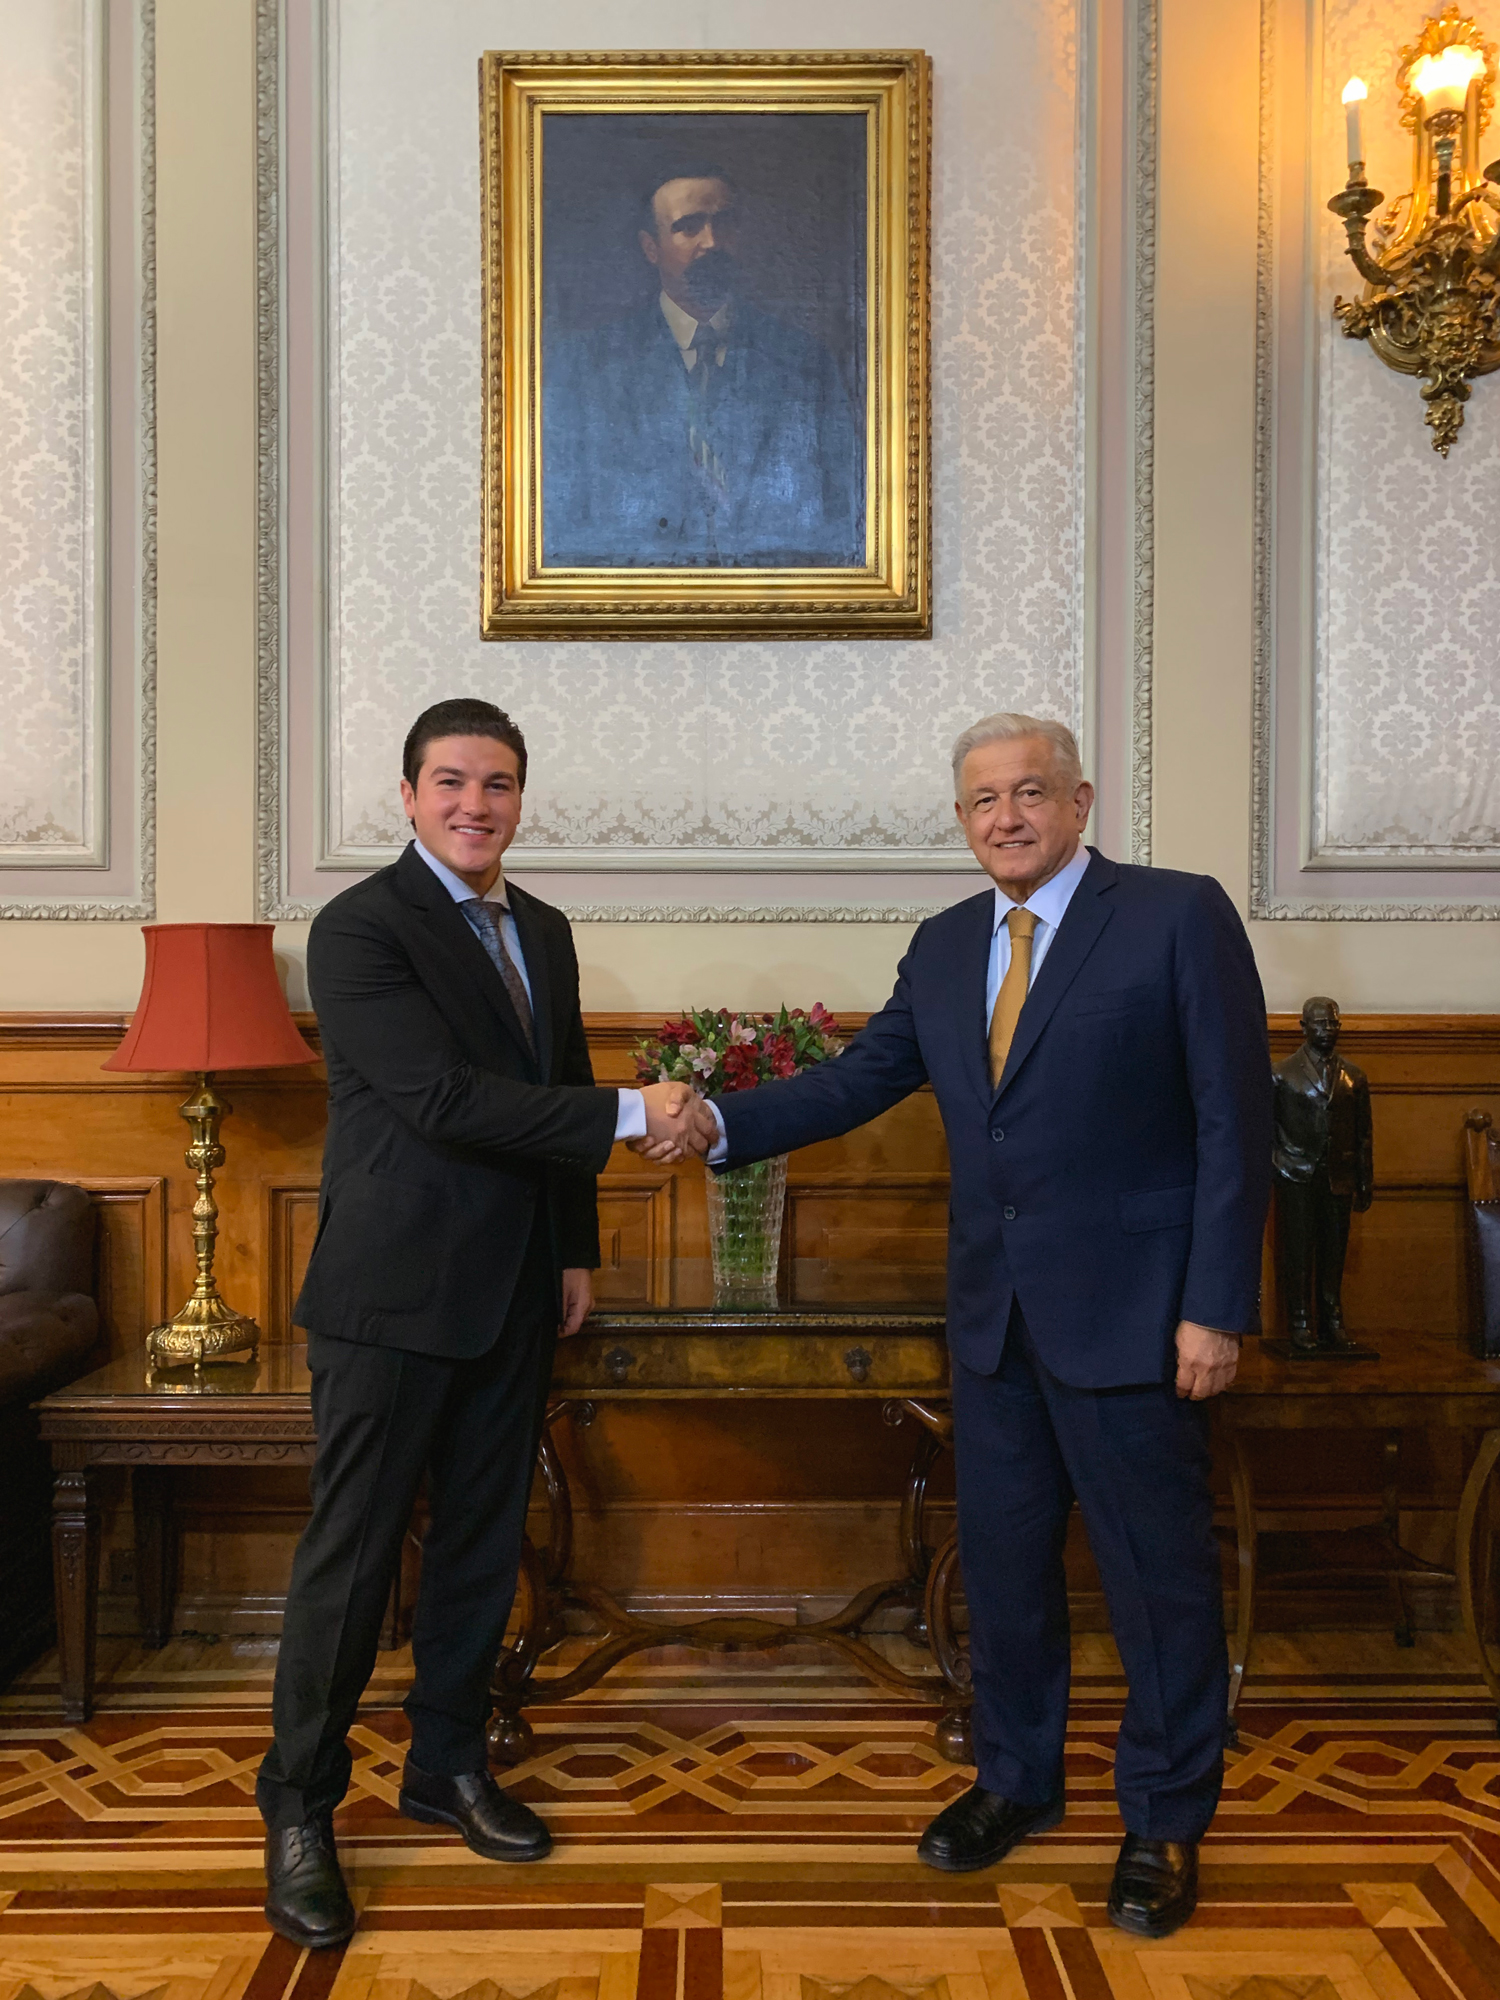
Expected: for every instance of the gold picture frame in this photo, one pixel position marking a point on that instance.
(797, 501)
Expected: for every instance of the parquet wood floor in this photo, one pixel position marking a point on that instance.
(745, 1831)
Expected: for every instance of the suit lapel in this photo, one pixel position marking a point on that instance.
(970, 972)
(534, 948)
(455, 935)
(1083, 921)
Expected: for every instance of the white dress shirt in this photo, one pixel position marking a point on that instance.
(684, 328)
(630, 1119)
(1047, 904)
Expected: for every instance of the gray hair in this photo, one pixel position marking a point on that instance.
(1006, 728)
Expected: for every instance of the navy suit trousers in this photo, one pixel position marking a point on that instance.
(1137, 1461)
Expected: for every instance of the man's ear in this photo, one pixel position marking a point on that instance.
(648, 245)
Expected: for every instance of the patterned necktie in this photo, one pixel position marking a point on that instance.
(702, 386)
(1012, 995)
(485, 917)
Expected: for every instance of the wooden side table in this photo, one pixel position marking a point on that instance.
(238, 1413)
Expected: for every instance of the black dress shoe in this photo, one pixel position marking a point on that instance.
(1155, 1889)
(981, 1828)
(491, 1821)
(306, 1899)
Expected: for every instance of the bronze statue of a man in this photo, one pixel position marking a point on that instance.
(1324, 1169)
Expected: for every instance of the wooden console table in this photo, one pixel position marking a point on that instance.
(892, 1355)
(825, 1346)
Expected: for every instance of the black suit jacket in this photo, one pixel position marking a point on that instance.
(445, 1136)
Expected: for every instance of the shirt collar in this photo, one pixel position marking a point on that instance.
(1049, 903)
(457, 888)
(683, 324)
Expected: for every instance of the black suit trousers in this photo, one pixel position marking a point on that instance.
(385, 1417)
(1137, 1461)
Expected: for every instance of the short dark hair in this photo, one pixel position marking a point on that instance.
(460, 717)
(678, 170)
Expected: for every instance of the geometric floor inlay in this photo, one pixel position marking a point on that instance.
(739, 1835)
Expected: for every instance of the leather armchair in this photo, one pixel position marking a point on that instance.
(1482, 1165)
(49, 1327)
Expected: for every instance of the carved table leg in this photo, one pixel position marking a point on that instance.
(155, 1551)
(75, 1579)
(914, 1547)
(1243, 1487)
(540, 1590)
(1475, 1495)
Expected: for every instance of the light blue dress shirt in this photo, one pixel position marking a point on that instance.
(1047, 904)
(630, 1120)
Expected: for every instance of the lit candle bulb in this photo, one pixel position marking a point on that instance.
(1355, 94)
(1442, 81)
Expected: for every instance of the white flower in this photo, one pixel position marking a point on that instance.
(704, 1061)
(741, 1034)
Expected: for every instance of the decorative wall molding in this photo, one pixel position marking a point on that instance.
(300, 862)
(108, 870)
(1299, 868)
(1142, 336)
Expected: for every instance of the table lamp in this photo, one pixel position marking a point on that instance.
(210, 1000)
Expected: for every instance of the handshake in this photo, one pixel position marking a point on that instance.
(678, 1123)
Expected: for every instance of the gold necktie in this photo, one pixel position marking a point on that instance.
(1012, 995)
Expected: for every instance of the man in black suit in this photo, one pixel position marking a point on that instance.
(698, 430)
(1095, 1037)
(457, 1230)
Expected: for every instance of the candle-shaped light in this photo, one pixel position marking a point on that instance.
(1355, 94)
(1442, 81)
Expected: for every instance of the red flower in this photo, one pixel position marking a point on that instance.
(678, 1032)
(741, 1068)
(780, 1052)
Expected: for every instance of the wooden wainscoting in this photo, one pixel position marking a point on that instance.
(732, 1505)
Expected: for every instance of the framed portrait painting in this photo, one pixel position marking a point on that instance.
(705, 345)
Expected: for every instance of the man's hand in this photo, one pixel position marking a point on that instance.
(577, 1300)
(1206, 1360)
(678, 1122)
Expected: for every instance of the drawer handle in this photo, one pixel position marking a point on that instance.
(859, 1361)
(618, 1363)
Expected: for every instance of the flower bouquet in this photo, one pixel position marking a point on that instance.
(718, 1052)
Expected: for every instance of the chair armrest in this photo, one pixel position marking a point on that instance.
(45, 1339)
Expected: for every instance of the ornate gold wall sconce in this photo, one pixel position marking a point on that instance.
(1431, 303)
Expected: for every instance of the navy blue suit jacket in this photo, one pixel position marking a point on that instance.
(1117, 1181)
(619, 485)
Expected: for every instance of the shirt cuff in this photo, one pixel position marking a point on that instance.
(718, 1153)
(630, 1119)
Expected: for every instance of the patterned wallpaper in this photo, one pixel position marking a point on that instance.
(1407, 688)
(49, 803)
(732, 747)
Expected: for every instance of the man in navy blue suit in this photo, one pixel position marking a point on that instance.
(1095, 1036)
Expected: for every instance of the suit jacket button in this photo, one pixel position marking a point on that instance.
(1010, 1215)
(997, 1135)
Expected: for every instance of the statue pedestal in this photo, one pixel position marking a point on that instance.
(1346, 1350)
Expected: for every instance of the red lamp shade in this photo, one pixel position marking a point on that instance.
(210, 1000)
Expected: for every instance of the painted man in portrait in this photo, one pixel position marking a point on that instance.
(698, 429)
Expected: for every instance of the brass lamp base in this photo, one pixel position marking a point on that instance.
(205, 1330)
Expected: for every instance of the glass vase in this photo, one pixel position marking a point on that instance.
(744, 1230)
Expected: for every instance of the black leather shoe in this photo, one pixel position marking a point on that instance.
(491, 1821)
(981, 1828)
(1155, 1889)
(306, 1899)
